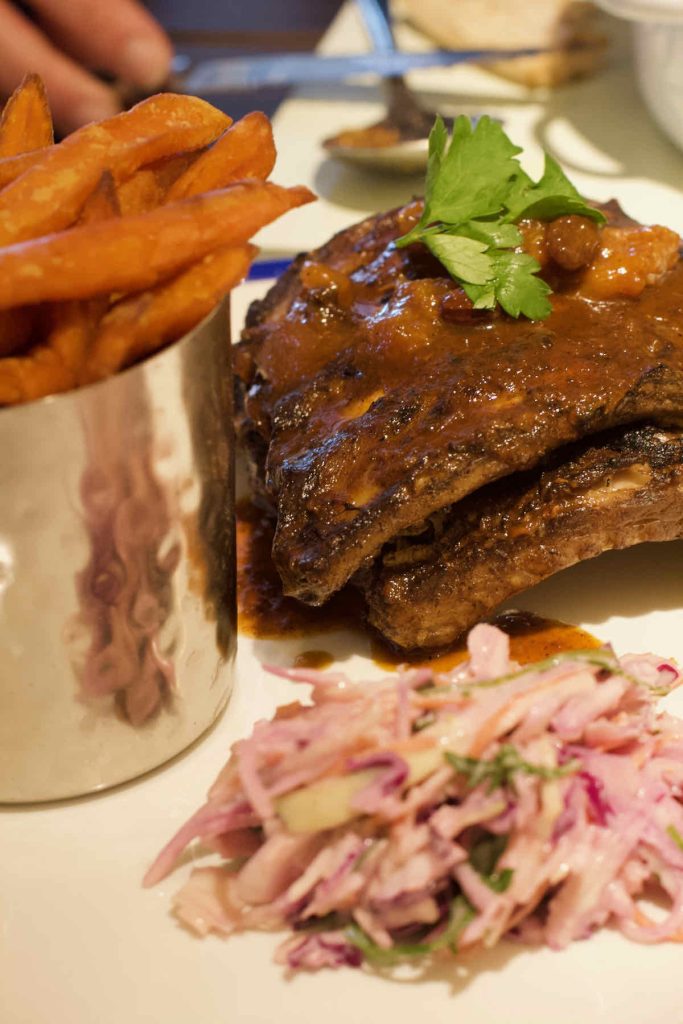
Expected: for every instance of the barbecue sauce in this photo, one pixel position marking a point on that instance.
(532, 638)
(313, 659)
(264, 611)
(391, 399)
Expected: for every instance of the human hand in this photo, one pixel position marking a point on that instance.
(64, 40)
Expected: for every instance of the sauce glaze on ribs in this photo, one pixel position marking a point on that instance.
(608, 492)
(371, 395)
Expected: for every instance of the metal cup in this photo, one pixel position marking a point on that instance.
(117, 600)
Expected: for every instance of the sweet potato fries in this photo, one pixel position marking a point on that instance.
(124, 236)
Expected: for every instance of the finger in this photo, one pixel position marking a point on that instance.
(121, 38)
(75, 96)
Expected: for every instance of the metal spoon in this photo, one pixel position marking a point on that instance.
(399, 141)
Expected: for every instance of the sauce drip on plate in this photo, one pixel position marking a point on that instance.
(313, 659)
(264, 611)
(532, 638)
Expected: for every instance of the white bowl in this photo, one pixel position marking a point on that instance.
(658, 42)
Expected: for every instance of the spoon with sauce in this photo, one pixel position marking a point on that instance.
(399, 141)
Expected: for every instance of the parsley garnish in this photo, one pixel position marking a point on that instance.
(676, 836)
(484, 857)
(459, 917)
(475, 193)
(500, 770)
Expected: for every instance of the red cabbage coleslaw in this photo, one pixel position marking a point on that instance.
(425, 813)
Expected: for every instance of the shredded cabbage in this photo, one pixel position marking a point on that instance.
(420, 814)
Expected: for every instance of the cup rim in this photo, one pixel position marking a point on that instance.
(162, 353)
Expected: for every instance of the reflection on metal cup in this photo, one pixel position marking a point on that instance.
(117, 602)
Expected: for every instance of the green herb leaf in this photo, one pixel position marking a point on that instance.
(553, 196)
(493, 233)
(499, 881)
(675, 835)
(594, 657)
(234, 864)
(460, 915)
(424, 721)
(330, 922)
(486, 853)
(474, 174)
(501, 769)
(475, 192)
(514, 285)
(438, 140)
(484, 857)
(481, 296)
(463, 258)
(518, 289)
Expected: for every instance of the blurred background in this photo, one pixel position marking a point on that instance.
(204, 29)
(607, 100)
(602, 92)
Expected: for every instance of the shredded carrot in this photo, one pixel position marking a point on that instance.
(488, 731)
(434, 700)
(641, 918)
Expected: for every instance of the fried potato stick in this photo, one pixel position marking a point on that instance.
(26, 121)
(49, 196)
(16, 328)
(161, 126)
(246, 150)
(142, 324)
(140, 193)
(12, 167)
(23, 378)
(133, 253)
(166, 170)
(102, 203)
(147, 188)
(56, 364)
(75, 321)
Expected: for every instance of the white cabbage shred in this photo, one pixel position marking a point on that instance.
(422, 814)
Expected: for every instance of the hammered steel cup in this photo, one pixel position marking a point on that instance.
(117, 600)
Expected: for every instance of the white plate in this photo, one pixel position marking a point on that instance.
(82, 943)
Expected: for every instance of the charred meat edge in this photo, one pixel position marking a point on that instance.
(323, 537)
(613, 492)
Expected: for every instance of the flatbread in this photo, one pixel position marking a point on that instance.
(571, 30)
